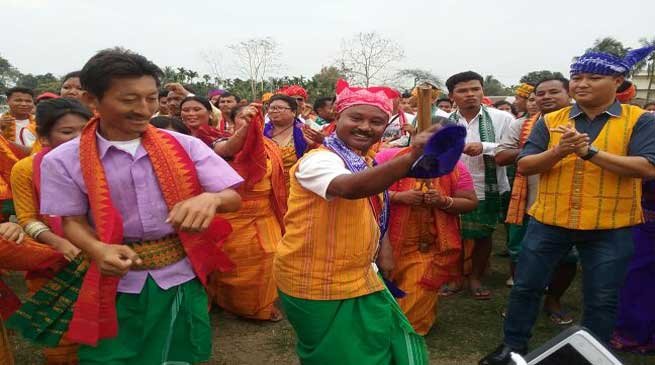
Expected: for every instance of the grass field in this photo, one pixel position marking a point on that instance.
(466, 329)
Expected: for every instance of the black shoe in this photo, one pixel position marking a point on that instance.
(501, 356)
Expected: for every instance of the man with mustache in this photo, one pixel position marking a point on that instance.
(325, 263)
(591, 158)
(484, 127)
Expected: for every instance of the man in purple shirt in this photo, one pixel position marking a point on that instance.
(162, 312)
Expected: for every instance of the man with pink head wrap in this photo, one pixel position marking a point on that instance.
(325, 264)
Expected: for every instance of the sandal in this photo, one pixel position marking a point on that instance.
(560, 318)
(447, 291)
(481, 293)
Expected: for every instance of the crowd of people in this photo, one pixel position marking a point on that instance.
(134, 207)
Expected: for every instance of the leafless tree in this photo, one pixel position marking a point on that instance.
(368, 57)
(257, 59)
(213, 59)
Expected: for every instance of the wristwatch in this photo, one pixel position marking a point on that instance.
(590, 153)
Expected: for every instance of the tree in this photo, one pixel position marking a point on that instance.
(213, 58)
(257, 58)
(367, 57)
(324, 82)
(39, 83)
(493, 87)
(8, 75)
(535, 76)
(650, 66)
(418, 76)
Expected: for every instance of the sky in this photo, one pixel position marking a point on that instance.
(506, 38)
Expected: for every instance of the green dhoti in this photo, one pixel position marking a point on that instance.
(370, 329)
(156, 326)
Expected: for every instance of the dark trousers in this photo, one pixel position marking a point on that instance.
(604, 256)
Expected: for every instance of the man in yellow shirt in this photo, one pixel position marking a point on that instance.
(325, 264)
(591, 158)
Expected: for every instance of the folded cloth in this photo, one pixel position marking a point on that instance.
(440, 154)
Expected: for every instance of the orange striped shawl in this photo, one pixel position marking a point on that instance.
(519, 198)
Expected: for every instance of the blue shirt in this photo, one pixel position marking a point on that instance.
(642, 140)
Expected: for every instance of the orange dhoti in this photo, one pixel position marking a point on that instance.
(249, 290)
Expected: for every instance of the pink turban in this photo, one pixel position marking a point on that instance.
(377, 96)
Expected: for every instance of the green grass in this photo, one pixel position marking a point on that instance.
(466, 329)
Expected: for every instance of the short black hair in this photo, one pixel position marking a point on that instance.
(505, 102)
(293, 104)
(48, 112)
(235, 111)
(165, 122)
(406, 95)
(440, 100)
(624, 86)
(563, 80)
(463, 77)
(200, 99)
(163, 93)
(71, 75)
(320, 102)
(108, 64)
(228, 94)
(19, 89)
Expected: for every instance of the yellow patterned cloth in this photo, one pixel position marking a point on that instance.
(159, 253)
(524, 90)
(578, 194)
(289, 158)
(327, 250)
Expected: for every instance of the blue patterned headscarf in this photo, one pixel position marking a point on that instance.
(609, 64)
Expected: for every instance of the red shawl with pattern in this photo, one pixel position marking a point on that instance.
(94, 315)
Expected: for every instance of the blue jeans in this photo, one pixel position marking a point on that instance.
(604, 256)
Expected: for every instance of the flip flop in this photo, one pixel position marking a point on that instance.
(560, 318)
(481, 293)
(447, 291)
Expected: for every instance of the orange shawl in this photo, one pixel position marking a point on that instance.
(94, 314)
(519, 198)
(7, 160)
(446, 262)
(250, 163)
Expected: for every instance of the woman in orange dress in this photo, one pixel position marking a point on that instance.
(249, 290)
(425, 236)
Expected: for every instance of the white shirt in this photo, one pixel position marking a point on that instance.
(317, 170)
(475, 164)
(24, 136)
(128, 146)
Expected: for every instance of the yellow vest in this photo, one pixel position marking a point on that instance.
(327, 250)
(578, 194)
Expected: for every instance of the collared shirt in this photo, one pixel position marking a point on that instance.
(475, 164)
(135, 193)
(641, 141)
